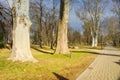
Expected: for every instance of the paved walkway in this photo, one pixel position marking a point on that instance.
(105, 67)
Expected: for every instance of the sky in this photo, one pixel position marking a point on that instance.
(74, 21)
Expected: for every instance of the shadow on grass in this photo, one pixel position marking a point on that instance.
(118, 78)
(96, 53)
(46, 52)
(59, 77)
(96, 48)
(118, 62)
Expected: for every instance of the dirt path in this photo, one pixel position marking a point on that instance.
(105, 67)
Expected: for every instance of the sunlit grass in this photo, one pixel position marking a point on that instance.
(48, 64)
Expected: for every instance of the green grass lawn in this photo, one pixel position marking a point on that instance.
(49, 67)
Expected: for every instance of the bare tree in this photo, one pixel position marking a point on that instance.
(116, 7)
(5, 22)
(92, 10)
(21, 28)
(87, 32)
(37, 15)
(111, 30)
(53, 24)
(62, 41)
(74, 37)
(46, 23)
(40, 21)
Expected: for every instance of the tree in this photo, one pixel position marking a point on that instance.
(40, 21)
(87, 32)
(74, 37)
(37, 16)
(116, 8)
(21, 27)
(111, 30)
(53, 24)
(62, 41)
(5, 24)
(46, 24)
(92, 11)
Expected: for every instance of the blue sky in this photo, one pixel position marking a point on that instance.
(75, 22)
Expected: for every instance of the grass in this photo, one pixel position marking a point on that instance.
(118, 48)
(49, 67)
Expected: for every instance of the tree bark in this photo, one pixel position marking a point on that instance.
(53, 24)
(91, 12)
(21, 29)
(62, 40)
(40, 27)
(94, 41)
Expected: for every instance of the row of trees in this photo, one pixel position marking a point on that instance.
(50, 26)
(102, 29)
(45, 20)
(21, 27)
(91, 14)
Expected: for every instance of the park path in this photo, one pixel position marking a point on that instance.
(105, 67)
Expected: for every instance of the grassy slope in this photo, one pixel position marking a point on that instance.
(49, 67)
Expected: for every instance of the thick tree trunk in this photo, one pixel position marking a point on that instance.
(94, 41)
(51, 45)
(21, 28)
(62, 40)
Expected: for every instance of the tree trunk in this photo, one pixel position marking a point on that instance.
(40, 27)
(94, 41)
(62, 40)
(52, 37)
(21, 28)
(51, 45)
